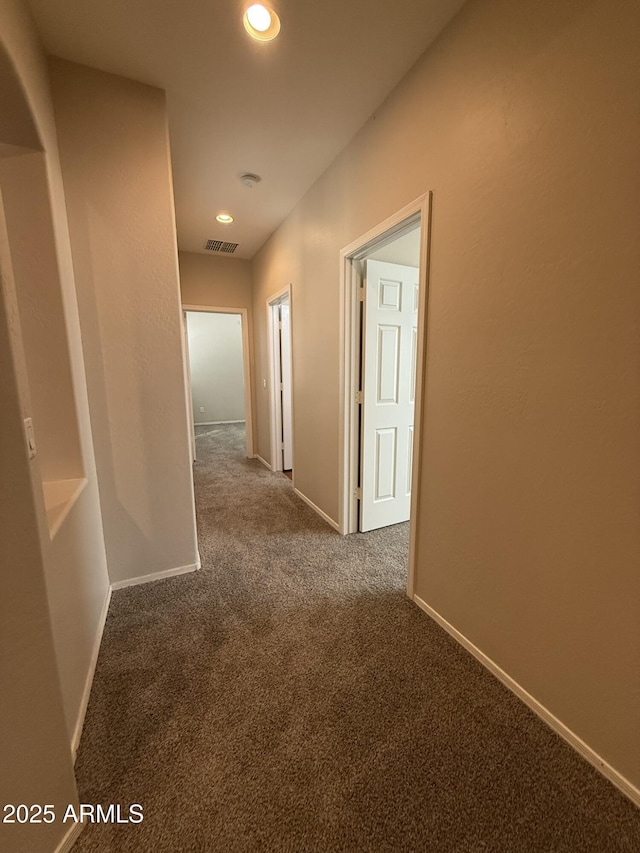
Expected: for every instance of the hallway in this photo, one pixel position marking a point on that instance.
(289, 697)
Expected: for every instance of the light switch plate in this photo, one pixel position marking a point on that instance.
(30, 437)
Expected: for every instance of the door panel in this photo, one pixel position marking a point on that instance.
(388, 364)
(385, 464)
(389, 374)
(389, 294)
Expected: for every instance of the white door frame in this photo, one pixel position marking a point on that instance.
(350, 257)
(187, 382)
(275, 412)
(246, 363)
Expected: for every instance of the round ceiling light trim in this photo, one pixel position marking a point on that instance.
(225, 218)
(261, 22)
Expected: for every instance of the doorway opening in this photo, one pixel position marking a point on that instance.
(384, 290)
(217, 370)
(281, 376)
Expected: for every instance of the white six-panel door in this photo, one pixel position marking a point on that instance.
(389, 378)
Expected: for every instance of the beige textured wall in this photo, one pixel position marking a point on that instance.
(34, 742)
(524, 120)
(220, 282)
(75, 565)
(114, 150)
(33, 254)
(44, 662)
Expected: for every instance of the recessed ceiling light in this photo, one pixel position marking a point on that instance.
(261, 22)
(225, 218)
(259, 17)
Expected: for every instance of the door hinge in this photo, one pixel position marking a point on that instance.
(361, 294)
(357, 493)
(360, 397)
(282, 386)
(280, 324)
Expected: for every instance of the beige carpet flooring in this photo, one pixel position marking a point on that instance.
(288, 697)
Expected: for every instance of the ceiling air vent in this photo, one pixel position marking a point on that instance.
(220, 246)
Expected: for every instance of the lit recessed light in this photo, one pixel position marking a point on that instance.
(261, 22)
(259, 17)
(225, 218)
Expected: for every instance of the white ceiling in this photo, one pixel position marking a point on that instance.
(282, 109)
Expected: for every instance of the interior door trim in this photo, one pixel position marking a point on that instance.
(350, 256)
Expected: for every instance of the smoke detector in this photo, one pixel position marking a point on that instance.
(250, 180)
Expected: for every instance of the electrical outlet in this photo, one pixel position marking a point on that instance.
(202, 409)
(264, 383)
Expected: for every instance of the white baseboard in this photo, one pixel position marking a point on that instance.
(70, 838)
(264, 461)
(317, 509)
(86, 693)
(217, 423)
(609, 772)
(156, 576)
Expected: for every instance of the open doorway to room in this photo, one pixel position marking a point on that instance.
(384, 301)
(281, 371)
(217, 372)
